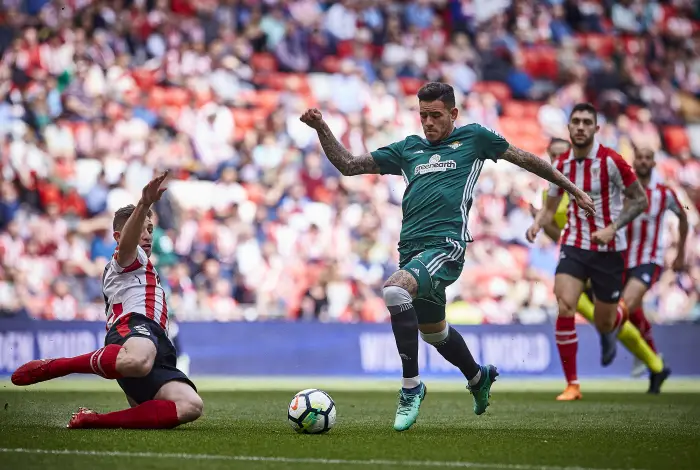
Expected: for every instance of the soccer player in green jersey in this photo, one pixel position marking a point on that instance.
(441, 171)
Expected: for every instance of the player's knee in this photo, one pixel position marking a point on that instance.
(602, 324)
(566, 308)
(395, 295)
(605, 317)
(404, 280)
(190, 408)
(133, 365)
(631, 302)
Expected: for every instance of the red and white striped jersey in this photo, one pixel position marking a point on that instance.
(645, 233)
(604, 175)
(134, 289)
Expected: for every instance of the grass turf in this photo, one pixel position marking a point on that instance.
(244, 428)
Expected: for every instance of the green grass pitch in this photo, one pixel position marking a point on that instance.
(615, 426)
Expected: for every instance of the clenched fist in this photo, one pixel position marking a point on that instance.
(313, 118)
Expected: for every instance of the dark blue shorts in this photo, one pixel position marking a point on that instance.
(142, 389)
(604, 269)
(647, 273)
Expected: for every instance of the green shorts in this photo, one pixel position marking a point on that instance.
(435, 264)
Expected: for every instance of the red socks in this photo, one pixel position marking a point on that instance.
(639, 320)
(567, 344)
(102, 362)
(152, 414)
(620, 316)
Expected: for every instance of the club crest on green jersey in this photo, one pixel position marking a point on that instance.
(434, 165)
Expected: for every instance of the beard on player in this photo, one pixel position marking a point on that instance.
(581, 140)
(642, 171)
(583, 126)
(643, 162)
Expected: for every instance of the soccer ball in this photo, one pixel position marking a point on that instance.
(311, 411)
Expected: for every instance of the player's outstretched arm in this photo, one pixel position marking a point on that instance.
(635, 203)
(347, 163)
(543, 169)
(131, 233)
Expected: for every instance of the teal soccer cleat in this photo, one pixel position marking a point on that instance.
(482, 390)
(409, 405)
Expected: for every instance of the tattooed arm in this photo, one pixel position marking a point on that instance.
(541, 168)
(636, 202)
(339, 156)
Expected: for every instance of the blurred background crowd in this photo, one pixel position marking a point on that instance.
(96, 95)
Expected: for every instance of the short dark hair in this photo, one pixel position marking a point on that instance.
(437, 91)
(123, 214)
(588, 107)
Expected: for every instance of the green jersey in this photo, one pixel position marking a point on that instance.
(440, 179)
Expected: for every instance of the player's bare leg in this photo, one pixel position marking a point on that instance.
(188, 403)
(633, 294)
(399, 291)
(133, 359)
(567, 290)
(451, 345)
(608, 318)
(175, 403)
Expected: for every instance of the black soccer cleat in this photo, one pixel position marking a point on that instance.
(608, 346)
(657, 379)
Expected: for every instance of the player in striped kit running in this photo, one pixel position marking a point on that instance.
(137, 352)
(645, 253)
(592, 245)
(628, 334)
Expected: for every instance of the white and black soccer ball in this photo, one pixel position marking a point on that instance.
(311, 411)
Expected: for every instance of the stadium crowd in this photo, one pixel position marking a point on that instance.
(96, 95)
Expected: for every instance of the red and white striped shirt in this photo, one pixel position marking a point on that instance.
(135, 289)
(603, 175)
(645, 233)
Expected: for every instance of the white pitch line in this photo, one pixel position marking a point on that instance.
(253, 458)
